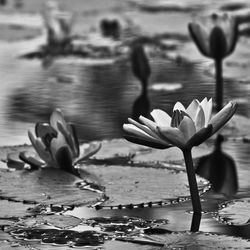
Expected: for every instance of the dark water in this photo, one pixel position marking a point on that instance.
(98, 96)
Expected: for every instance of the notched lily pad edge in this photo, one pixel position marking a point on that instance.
(152, 204)
(39, 209)
(227, 220)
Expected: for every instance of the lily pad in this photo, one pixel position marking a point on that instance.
(235, 212)
(12, 210)
(119, 148)
(56, 220)
(48, 186)
(170, 155)
(188, 240)
(128, 187)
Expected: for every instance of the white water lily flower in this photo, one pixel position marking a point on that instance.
(57, 144)
(186, 128)
(215, 35)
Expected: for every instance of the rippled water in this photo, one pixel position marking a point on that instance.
(98, 95)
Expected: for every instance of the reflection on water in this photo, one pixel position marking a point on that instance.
(98, 98)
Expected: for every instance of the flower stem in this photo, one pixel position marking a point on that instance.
(219, 84)
(192, 186)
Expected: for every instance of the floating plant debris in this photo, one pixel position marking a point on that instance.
(54, 236)
(48, 186)
(123, 224)
(189, 241)
(235, 212)
(125, 187)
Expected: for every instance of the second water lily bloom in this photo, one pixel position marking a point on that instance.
(215, 35)
(186, 128)
(57, 144)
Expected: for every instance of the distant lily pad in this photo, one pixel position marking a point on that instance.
(48, 186)
(128, 187)
(169, 87)
(161, 5)
(189, 241)
(235, 212)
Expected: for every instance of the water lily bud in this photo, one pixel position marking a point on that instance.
(57, 145)
(215, 35)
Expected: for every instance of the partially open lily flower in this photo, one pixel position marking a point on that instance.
(215, 35)
(186, 128)
(57, 144)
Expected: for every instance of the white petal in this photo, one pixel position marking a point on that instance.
(68, 138)
(86, 152)
(187, 127)
(56, 144)
(209, 111)
(173, 135)
(43, 153)
(192, 109)
(179, 106)
(221, 118)
(57, 116)
(161, 118)
(200, 34)
(150, 124)
(200, 119)
(142, 127)
(132, 129)
(153, 132)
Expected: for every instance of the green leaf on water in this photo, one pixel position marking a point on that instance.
(56, 220)
(235, 212)
(190, 241)
(126, 185)
(48, 186)
(11, 210)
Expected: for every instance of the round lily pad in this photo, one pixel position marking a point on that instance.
(128, 187)
(48, 186)
(56, 220)
(235, 212)
(10, 209)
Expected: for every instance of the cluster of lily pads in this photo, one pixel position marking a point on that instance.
(56, 143)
